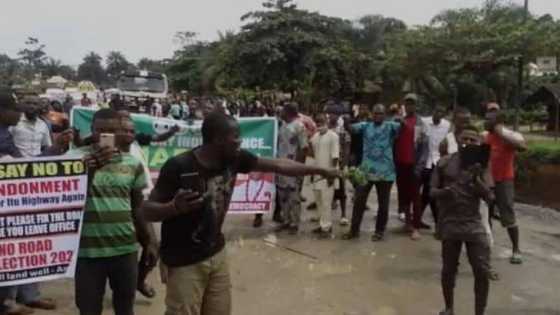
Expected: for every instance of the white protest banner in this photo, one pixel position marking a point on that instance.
(41, 211)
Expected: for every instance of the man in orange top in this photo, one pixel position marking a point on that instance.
(503, 145)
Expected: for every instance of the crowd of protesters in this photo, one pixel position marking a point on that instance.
(433, 162)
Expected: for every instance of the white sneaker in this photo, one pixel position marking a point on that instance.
(344, 222)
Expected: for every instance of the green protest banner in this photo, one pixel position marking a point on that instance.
(258, 136)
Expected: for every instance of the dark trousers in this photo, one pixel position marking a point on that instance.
(408, 185)
(92, 275)
(383, 190)
(478, 252)
(426, 199)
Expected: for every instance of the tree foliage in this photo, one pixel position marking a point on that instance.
(91, 69)
(468, 54)
(116, 63)
(33, 55)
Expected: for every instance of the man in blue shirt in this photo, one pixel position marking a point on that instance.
(377, 163)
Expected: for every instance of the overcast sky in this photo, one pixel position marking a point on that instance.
(145, 28)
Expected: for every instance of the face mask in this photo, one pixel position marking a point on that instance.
(322, 129)
(31, 115)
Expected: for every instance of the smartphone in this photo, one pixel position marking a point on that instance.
(107, 140)
(193, 182)
(475, 154)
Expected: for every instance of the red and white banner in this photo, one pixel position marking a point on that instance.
(253, 193)
(41, 211)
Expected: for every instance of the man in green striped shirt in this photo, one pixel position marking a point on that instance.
(111, 226)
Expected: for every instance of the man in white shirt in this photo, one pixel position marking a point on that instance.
(437, 129)
(461, 118)
(157, 109)
(32, 135)
(326, 152)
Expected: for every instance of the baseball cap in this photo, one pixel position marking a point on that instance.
(411, 97)
(492, 106)
(8, 99)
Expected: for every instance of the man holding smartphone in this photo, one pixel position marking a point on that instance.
(192, 244)
(459, 189)
(112, 225)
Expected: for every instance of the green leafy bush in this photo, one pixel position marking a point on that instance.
(537, 153)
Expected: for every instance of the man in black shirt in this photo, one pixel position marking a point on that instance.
(191, 199)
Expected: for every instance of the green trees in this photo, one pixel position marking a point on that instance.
(91, 69)
(116, 63)
(469, 55)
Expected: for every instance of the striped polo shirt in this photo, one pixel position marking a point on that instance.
(108, 230)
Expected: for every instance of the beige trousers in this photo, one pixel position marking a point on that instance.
(200, 289)
(323, 198)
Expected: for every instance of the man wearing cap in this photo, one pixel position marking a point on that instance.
(411, 154)
(503, 145)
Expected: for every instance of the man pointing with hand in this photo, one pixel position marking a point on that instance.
(192, 244)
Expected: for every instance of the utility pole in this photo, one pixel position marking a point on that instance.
(520, 73)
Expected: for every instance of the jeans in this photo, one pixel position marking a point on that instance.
(200, 289)
(383, 189)
(92, 275)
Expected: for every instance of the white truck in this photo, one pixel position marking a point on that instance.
(140, 85)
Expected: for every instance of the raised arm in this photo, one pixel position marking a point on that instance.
(512, 138)
(166, 136)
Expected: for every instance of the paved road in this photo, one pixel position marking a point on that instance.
(397, 276)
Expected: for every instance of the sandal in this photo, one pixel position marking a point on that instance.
(493, 275)
(42, 304)
(377, 237)
(147, 291)
(350, 236)
(516, 259)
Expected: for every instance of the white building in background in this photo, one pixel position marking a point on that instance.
(544, 66)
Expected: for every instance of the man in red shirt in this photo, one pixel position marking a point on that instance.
(503, 145)
(411, 154)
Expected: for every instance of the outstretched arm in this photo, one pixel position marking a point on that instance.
(165, 136)
(292, 168)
